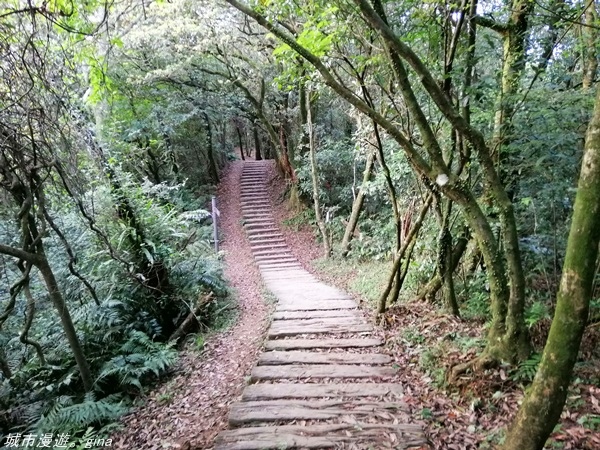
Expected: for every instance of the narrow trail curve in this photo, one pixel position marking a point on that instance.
(322, 381)
(189, 410)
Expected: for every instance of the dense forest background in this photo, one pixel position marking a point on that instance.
(437, 145)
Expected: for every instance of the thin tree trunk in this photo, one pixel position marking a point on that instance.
(67, 322)
(4, 367)
(590, 34)
(445, 262)
(546, 397)
(240, 142)
(315, 179)
(212, 165)
(435, 284)
(357, 205)
(29, 315)
(412, 234)
(257, 152)
(223, 138)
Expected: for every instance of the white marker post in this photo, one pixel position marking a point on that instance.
(215, 215)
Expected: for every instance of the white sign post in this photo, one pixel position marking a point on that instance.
(215, 215)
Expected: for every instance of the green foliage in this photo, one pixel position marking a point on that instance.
(590, 421)
(138, 358)
(527, 369)
(72, 418)
(336, 162)
(537, 311)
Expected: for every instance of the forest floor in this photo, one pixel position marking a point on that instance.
(190, 409)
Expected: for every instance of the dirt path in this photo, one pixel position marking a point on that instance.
(189, 410)
(323, 380)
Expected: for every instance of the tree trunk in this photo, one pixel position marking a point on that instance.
(240, 142)
(546, 397)
(4, 367)
(67, 323)
(29, 315)
(435, 284)
(445, 262)
(212, 165)
(357, 206)
(315, 179)
(223, 139)
(412, 234)
(257, 152)
(590, 33)
(513, 65)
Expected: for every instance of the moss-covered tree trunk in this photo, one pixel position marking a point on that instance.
(357, 206)
(315, 179)
(546, 397)
(67, 322)
(213, 170)
(590, 33)
(445, 264)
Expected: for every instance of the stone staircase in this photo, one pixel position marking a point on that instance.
(322, 380)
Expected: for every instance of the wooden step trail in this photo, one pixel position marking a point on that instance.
(323, 380)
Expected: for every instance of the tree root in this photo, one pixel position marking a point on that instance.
(191, 320)
(482, 362)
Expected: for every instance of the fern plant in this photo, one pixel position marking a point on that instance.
(74, 418)
(527, 369)
(139, 358)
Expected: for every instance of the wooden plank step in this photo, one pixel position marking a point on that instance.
(280, 250)
(259, 220)
(320, 436)
(318, 321)
(265, 236)
(262, 207)
(279, 266)
(320, 371)
(256, 249)
(297, 344)
(291, 274)
(286, 277)
(329, 304)
(308, 299)
(318, 329)
(269, 260)
(279, 358)
(290, 315)
(262, 238)
(262, 232)
(260, 226)
(255, 202)
(275, 258)
(242, 413)
(260, 216)
(274, 252)
(277, 239)
(265, 391)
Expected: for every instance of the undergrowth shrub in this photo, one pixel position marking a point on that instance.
(124, 332)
